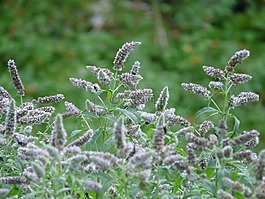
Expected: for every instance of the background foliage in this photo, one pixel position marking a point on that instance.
(52, 41)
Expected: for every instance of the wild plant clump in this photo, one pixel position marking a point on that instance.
(124, 151)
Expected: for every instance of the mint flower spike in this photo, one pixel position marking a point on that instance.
(237, 78)
(11, 118)
(237, 58)
(83, 139)
(196, 88)
(119, 133)
(242, 99)
(162, 101)
(49, 99)
(88, 86)
(215, 73)
(58, 138)
(159, 134)
(123, 54)
(15, 77)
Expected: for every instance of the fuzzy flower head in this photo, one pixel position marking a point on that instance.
(215, 85)
(237, 78)
(59, 134)
(159, 134)
(15, 77)
(196, 88)
(88, 86)
(215, 73)
(123, 54)
(238, 57)
(242, 99)
(162, 101)
(11, 118)
(119, 133)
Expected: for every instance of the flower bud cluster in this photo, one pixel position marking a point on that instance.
(15, 77)
(196, 88)
(123, 54)
(88, 86)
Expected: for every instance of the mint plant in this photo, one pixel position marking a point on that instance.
(123, 151)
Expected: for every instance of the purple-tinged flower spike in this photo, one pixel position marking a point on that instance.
(58, 138)
(88, 86)
(172, 119)
(183, 131)
(197, 140)
(260, 166)
(135, 68)
(191, 155)
(113, 191)
(196, 88)
(38, 169)
(83, 139)
(123, 54)
(95, 70)
(244, 138)
(237, 186)
(50, 99)
(215, 85)
(74, 162)
(13, 180)
(215, 73)
(3, 191)
(11, 119)
(53, 152)
(162, 101)
(159, 134)
(4, 93)
(247, 155)
(47, 109)
(93, 108)
(35, 117)
(238, 57)
(129, 80)
(3, 141)
(15, 77)
(224, 195)
(91, 185)
(71, 108)
(103, 78)
(222, 128)
(252, 143)
(260, 193)
(119, 133)
(227, 151)
(205, 127)
(148, 117)
(237, 78)
(242, 99)
(139, 98)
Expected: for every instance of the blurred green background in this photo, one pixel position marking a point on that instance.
(52, 41)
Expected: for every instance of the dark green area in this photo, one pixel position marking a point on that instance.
(52, 41)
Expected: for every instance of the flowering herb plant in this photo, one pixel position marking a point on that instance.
(131, 153)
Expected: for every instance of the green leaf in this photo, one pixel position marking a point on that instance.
(74, 133)
(236, 127)
(206, 110)
(131, 114)
(181, 151)
(209, 172)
